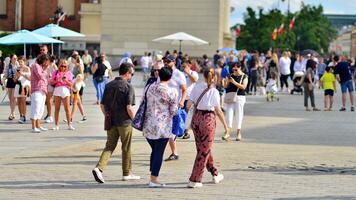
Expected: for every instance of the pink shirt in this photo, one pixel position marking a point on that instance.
(38, 79)
(57, 75)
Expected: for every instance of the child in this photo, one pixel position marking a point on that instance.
(328, 83)
(271, 87)
(78, 83)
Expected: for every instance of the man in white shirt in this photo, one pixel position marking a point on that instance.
(177, 82)
(145, 64)
(191, 78)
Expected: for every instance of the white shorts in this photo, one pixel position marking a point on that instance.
(61, 91)
(38, 100)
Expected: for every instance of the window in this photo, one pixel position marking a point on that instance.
(3, 7)
(67, 5)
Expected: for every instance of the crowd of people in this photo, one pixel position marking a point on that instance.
(171, 84)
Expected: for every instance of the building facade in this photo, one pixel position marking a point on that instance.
(33, 14)
(131, 25)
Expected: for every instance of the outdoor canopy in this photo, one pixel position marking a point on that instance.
(180, 39)
(26, 37)
(55, 31)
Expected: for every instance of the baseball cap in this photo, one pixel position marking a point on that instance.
(170, 58)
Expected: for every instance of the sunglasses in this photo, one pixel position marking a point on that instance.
(63, 66)
(156, 70)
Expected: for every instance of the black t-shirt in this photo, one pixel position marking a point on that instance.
(232, 88)
(100, 71)
(125, 96)
(342, 68)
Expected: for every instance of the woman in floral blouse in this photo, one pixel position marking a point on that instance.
(161, 107)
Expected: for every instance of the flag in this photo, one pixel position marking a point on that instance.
(281, 29)
(238, 31)
(291, 24)
(274, 34)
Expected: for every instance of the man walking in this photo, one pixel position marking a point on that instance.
(118, 98)
(178, 83)
(344, 77)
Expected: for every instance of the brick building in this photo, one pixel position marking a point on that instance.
(32, 14)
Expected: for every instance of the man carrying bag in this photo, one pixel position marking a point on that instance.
(118, 111)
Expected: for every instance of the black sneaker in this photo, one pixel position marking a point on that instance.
(186, 134)
(342, 109)
(172, 157)
(352, 109)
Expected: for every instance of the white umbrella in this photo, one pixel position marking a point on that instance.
(180, 39)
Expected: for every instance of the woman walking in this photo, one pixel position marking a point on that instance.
(22, 88)
(62, 80)
(98, 71)
(39, 89)
(9, 74)
(207, 102)
(161, 107)
(235, 84)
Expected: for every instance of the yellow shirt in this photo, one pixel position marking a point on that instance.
(328, 81)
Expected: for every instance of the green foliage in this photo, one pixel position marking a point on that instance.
(312, 30)
(13, 49)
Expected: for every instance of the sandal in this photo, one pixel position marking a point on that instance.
(316, 109)
(226, 137)
(11, 117)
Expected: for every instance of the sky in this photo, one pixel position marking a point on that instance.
(330, 6)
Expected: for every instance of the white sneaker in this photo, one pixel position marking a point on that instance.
(217, 179)
(21, 120)
(36, 130)
(194, 184)
(130, 177)
(56, 128)
(70, 127)
(98, 176)
(156, 185)
(49, 119)
(43, 129)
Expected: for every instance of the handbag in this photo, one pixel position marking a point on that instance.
(139, 119)
(99, 79)
(231, 97)
(107, 120)
(179, 122)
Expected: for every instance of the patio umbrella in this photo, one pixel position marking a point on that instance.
(228, 50)
(180, 39)
(26, 37)
(55, 31)
(308, 51)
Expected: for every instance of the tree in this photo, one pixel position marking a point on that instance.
(8, 50)
(312, 28)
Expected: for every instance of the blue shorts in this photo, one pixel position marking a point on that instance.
(348, 85)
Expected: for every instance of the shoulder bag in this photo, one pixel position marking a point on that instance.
(200, 97)
(231, 97)
(108, 114)
(139, 119)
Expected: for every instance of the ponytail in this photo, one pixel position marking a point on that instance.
(209, 75)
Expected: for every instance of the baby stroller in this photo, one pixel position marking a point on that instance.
(298, 80)
(271, 90)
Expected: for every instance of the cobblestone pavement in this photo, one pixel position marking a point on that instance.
(286, 153)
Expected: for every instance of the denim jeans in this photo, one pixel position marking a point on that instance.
(100, 87)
